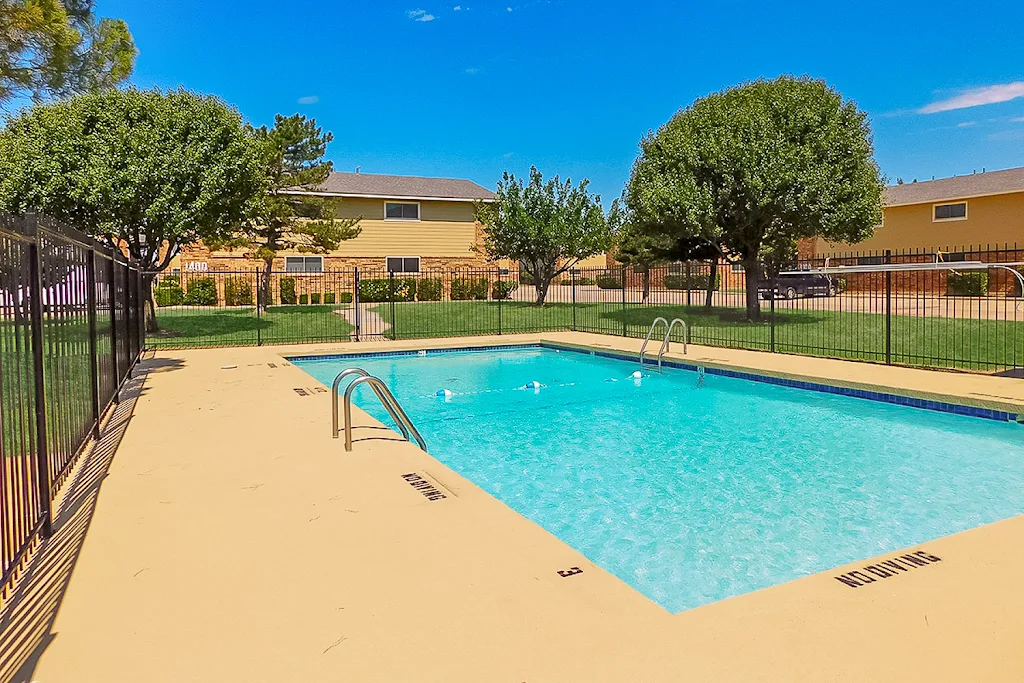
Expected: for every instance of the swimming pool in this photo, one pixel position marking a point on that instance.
(694, 492)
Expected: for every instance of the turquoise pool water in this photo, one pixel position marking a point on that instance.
(694, 494)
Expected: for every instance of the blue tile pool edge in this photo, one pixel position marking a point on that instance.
(909, 401)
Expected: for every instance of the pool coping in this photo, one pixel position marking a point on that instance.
(958, 405)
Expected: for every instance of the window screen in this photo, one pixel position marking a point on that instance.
(958, 210)
(409, 212)
(403, 264)
(304, 264)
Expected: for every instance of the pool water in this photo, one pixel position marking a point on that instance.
(689, 493)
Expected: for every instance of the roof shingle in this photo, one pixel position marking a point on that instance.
(957, 187)
(403, 187)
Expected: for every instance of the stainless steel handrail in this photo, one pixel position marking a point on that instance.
(668, 335)
(650, 333)
(388, 396)
(334, 401)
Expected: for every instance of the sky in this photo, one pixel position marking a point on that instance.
(469, 89)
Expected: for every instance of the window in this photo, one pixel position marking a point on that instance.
(951, 212)
(403, 264)
(304, 264)
(401, 211)
(870, 260)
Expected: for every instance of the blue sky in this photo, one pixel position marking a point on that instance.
(467, 89)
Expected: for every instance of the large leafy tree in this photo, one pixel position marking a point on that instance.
(292, 217)
(548, 227)
(752, 169)
(145, 171)
(57, 48)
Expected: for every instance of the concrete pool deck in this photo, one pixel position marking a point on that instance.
(230, 538)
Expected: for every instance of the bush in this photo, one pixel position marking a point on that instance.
(237, 291)
(608, 281)
(345, 297)
(525, 278)
(303, 299)
(696, 280)
(429, 289)
(168, 291)
(288, 290)
(387, 289)
(329, 298)
(201, 292)
(502, 289)
(314, 298)
(586, 281)
(967, 284)
(465, 289)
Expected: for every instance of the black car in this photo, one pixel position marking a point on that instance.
(790, 286)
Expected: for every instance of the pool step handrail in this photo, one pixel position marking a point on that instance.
(650, 333)
(668, 334)
(384, 395)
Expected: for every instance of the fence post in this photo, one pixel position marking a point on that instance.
(392, 294)
(128, 312)
(772, 321)
(112, 297)
(355, 298)
(688, 281)
(140, 314)
(623, 300)
(36, 321)
(94, 370)
(888, 309)
(259, 304)
(500, 292)
(572, 276)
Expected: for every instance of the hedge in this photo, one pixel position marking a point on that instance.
(201, 292)
(429, 289)
(237, 291)
(345, 297)
(329, 297)
(502, 289)
(465, 289)
(168, 291)
(387, 289)
(967, 284)
(525, 278)
(691, 281)
(288, 291)
(314, 298)
(608, 282)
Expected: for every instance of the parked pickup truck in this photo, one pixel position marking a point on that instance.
(791, 286)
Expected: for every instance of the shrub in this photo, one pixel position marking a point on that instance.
(608, 281)
(237, 291)
(201, 292)
(429, 289)
(387, 289)
(525, 278)
(967, 284)
(345, 297)
(303, 299)
(288, 290)
(314, 298)
(696, 280)
(168, 291)
(465, 289)
(502, 289)
(329, 297)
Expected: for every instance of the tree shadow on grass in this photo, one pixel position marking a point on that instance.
(698, 316)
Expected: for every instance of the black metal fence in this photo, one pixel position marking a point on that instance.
(71, 328)
(968, 319)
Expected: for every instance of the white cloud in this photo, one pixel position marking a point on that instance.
(508, 9)
(990, 94)
(309, 99)
(966, 124)
(508, 155)
(1019, 119)
(420, 15)
(472, 71)
(456, 8)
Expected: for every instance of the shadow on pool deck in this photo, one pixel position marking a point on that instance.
(26, 620)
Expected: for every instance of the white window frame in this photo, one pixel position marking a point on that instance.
(946, 220)
(419, 262)
(304, 271)
(419, 210)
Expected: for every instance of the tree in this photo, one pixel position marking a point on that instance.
(58, 48)
(294, 150)
(634, 247)
(144, 171)
(755, 168)
(548, 227)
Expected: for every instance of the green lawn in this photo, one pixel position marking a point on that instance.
(940, 342)
(190, 327)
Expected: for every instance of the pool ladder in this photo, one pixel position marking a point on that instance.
(384, 395)
(667, 340)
